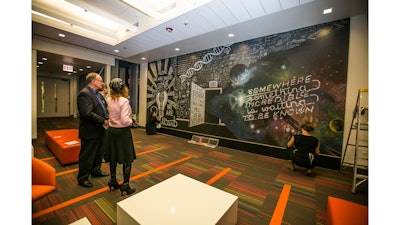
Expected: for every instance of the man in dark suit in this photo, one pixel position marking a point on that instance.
(92, 123)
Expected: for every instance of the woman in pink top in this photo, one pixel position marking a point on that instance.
(119, 141)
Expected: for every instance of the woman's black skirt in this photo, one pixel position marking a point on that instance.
(119, 146)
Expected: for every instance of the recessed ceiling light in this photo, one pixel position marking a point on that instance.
(327, 11)
(80, 69)
(231, 35)
(176, 49)
(88, 67)
(116, 50)
(40, 63)
(44, 59)
(61, 35)
(143, 58)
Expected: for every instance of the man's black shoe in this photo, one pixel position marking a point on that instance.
(100, 174)
(86, 183)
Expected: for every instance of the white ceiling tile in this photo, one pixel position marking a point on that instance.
(289, 3)
(271, 6)
(305, 1)
(197, 24)
(255, 9)
(237, 9)
(222, 12)
(207, 25)
(207, 14)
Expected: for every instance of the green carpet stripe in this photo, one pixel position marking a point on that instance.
(296, 185)
(244, 197)
(249, 210)
(194, 155)
(196, 167)
(239, 162)
(107, 208)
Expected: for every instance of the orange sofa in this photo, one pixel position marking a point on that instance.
(341, 212)
(43, 179)
(64, 144)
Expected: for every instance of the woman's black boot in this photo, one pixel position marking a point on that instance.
(125, 188)
(113, 183)
(127, 174)
(113, 180)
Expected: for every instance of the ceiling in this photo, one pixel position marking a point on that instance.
(201, 26)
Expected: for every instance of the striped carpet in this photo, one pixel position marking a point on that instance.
(257, 180)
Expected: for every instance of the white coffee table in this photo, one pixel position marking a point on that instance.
(179, 200)
(82, 221)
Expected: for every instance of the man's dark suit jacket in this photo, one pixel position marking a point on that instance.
(91, 114)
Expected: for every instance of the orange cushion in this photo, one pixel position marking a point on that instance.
(39, 191)
(341, 212)
(64, 144)
(43, 178)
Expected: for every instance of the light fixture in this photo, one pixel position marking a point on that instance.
(231, 35)
(89, 20)
(76, 18)
(327, 11)
(142, 7)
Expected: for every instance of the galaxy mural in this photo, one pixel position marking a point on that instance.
(259, 90)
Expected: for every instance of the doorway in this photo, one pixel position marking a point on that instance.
(53, 97)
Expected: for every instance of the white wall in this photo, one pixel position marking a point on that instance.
(357, 72)
(143, 95)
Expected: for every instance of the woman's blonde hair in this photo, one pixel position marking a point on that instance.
(116, 93)
(118, 89)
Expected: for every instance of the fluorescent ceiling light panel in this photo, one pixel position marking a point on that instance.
(69, 17)
(144, 8)
(103, 14)
(327, 11)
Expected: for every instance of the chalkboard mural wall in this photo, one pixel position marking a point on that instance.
(258, 91)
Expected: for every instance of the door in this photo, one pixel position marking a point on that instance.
(53, 97)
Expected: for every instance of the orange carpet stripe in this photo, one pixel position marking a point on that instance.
(66, 172)
(74, 170)
(280, 206)
(69, 202)
(149, 151)
(159, 168)
(219, 175)
(48, 158)
(88, 195)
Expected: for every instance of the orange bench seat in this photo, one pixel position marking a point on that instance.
(340, 211)
(64, 144)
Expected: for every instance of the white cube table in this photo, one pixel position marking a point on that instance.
(179, 200)
(82, 221)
